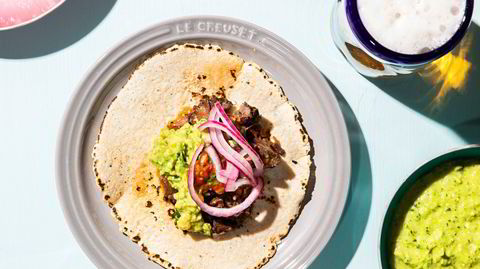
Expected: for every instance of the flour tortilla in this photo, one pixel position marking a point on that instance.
(155, 93)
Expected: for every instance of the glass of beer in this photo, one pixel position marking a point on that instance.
(390, 37)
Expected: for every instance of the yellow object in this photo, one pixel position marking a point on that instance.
(441, 226)
(451, 71)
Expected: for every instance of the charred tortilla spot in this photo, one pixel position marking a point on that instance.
(195, 94)
(232, 73)
(149, 204)
(231, 53)
(199, 47)
(174, 49)
(145, 249)
(270, 199)
(101, 184)
(107, 197)
(219, 49)
(125, 234)
(295, 162)
(136, 238)
(190, 46)
(114, 210)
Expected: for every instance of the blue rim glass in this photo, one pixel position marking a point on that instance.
(382, 52)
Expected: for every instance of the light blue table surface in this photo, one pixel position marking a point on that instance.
(391, 127)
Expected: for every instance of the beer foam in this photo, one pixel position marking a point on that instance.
(411, 26)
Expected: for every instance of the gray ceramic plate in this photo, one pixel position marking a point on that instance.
(87, 215)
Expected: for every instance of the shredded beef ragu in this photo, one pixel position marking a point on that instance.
(168, 191)
(248, 121)
(229, 199)
(200, 111)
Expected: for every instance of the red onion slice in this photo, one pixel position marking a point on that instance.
(233, 185)
(214, 211)
(230, 173)
(224, 117)
(224, 144)
(245, 146)
(216, 162)
(224, 148)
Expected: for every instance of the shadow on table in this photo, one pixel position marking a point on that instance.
(58, 30)
(456, 104)
(344, 243)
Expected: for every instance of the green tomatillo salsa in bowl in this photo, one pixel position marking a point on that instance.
(433, 221)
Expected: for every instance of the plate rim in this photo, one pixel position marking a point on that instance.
(342, 143)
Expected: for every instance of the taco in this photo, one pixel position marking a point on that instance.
(202, 159)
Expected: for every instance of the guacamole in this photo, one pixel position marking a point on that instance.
(438, 222)
(172, 152)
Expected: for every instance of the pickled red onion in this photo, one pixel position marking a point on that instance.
(216, 162)
(214, 211)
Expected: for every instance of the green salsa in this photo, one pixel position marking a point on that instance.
(172, 153)
(438, 222)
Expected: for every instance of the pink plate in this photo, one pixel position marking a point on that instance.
(15, 13)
